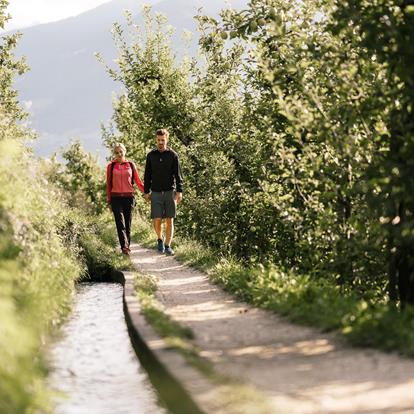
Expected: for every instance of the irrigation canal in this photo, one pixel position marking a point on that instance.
(93, 363)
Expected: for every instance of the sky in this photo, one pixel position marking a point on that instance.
(29, 12)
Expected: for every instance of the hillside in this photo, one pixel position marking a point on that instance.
(67, 91)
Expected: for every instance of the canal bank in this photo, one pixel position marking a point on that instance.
(182, 385)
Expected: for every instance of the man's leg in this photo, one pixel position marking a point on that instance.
(157, 227)
(156, 215)
(169, 231)
(170, 211)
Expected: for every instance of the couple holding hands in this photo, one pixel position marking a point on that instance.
(163, 187)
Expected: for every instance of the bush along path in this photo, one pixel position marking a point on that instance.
(299, 369)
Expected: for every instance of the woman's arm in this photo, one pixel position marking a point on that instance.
(137, 179)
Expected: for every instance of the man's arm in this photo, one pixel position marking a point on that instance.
(178, 179)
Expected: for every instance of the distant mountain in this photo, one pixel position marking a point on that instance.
(67, 91)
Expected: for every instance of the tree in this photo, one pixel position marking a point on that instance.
(83, 179)
(157, 93)
(10, 109)
(386, 29)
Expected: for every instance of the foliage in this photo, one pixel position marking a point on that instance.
(386, 30)
(382, 326)
(38, 271)
(156, 91)
(286, 126)
(295, 135)
(279, 127)
(45, 245)
(82, 179)
(10, 67)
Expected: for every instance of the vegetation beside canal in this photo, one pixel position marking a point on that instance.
(53, 233)
(48, 242)
(46, 245)
(38, 268)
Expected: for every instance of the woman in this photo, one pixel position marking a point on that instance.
(120, 177)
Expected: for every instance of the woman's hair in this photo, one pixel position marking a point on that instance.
(119, 145)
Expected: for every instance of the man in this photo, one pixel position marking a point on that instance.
(163, 186)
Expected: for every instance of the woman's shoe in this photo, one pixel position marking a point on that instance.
(125, 250)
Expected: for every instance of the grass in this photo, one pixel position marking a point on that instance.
(319, 303)
(38, 270)
(98, 243)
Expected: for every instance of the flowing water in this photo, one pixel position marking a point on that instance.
(94, 363)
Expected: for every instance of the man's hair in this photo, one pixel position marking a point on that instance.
(163, 132)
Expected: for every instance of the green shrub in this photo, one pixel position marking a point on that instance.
(320, 303)
(382, 326)
(38, 270)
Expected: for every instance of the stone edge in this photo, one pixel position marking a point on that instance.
(187, 382)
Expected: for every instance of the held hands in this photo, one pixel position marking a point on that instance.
(147, 197)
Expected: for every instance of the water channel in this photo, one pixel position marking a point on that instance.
(93, 362)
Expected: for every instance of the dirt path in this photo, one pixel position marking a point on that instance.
(300, 369)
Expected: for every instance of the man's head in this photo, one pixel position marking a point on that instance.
(162, 139)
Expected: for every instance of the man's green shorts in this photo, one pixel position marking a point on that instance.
(163, 204)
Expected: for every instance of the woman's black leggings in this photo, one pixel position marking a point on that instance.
(122, 208)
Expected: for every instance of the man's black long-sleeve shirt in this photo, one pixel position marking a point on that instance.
(162, 171)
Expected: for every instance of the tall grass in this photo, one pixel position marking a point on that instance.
(45, 247)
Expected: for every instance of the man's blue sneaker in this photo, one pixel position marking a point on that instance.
(169, 251)
(160, 246)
